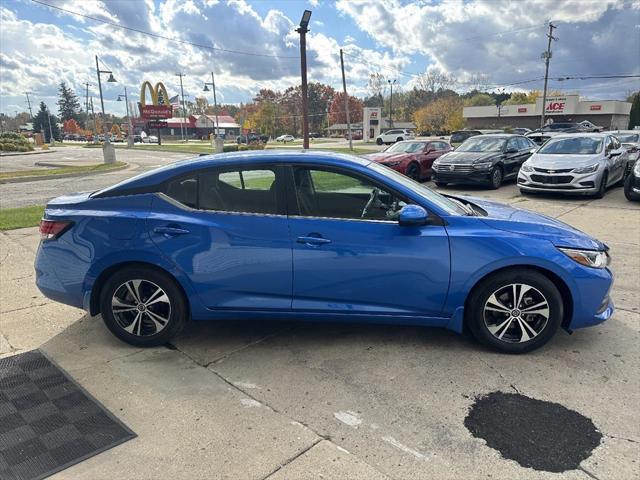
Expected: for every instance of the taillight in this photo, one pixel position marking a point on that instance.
(50, 229)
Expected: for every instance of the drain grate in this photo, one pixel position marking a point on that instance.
(47, 421)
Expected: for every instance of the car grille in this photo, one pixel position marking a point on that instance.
(555, 180)
(546, 170)
(457, 168)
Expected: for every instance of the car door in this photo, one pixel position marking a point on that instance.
(617, 158)
(513, 157)
(350, 255)
(226, 228)
(430, 153)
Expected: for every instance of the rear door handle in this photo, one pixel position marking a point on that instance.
(309, 240)
(170, 231)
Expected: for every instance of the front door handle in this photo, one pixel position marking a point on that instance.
(313, 240)
(170, 231)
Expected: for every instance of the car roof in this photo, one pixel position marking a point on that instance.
(630, 132)
(159, 175)
(582, 134)
(501, 135)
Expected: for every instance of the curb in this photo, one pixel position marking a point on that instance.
(37, 178)
(22, 154)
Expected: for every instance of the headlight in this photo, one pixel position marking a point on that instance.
(482, 165)
(526, 168)
(588, 169)
(636, 169)
(588, 258)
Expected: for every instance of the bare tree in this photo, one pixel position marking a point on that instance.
(435, 80)
(377, 85)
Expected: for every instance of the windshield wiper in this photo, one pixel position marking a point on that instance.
(469, 212)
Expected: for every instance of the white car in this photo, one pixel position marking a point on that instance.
(396, 135)
(285, 138)
(150, 139)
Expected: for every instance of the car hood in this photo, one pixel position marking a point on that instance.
(468, 157)
(524, 222)
(557, 162)
(383, 157)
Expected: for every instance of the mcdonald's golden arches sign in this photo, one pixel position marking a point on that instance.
(160, 106)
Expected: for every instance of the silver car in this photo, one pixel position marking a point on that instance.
(585, 163)
(630, 140)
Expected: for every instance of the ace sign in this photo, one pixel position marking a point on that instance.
(555, 105)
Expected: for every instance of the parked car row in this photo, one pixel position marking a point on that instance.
(570, 163)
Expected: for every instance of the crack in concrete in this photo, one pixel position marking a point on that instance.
(292, 459)
(587, 472)
(25, 308)
(502, 377)
(621, 438)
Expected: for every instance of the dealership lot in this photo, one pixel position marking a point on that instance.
(285, 400)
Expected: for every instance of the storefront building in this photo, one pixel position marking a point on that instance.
(610, 114)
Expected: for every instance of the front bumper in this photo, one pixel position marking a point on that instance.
(562, 182)
(461, 174)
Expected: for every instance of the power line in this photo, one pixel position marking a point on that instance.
(156, 35)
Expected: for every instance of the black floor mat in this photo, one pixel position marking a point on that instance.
(47, 421)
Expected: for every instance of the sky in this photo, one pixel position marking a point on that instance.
(253, 44)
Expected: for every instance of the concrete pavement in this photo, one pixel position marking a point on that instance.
(282, 400)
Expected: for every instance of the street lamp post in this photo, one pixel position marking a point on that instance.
(391, 103)
(51, 140)
(108, 150)
(215, 100)
(130, 129)
(302, 30)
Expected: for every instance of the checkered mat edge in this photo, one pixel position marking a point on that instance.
(48, 422)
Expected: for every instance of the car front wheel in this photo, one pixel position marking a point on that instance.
(379, 141)
(514, 311)
(143, 306)
(495, 179)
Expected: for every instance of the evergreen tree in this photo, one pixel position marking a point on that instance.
(41, 123)
(634, 114)
(68, 103)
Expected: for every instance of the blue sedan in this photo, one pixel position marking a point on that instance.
(314, 236)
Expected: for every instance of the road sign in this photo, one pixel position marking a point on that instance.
(156, 124)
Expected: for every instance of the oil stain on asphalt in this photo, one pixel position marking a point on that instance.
(536, 434)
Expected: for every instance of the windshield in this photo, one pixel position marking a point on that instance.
(461, 136)
(482, 144)
(441, 201)
(628, 138)
(405, 147)
(573, 145)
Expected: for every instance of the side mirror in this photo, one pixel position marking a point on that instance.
(412, 215)
(429, 149)
(511, 150)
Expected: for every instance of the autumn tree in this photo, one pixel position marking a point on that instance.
(634, 114)
(71, 126)
(443, 114)
(337, 113)
(480, 100)
(435, 80)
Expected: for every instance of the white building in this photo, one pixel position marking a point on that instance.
(610, 114)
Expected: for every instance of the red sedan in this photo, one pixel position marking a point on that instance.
(413, 158)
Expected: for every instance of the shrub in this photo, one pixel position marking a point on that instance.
(14, 142)
(230, 148)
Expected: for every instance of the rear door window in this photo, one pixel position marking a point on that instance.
(183, 190)
(244, 191)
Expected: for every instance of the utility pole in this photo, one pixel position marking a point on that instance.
(391, 103)
(86, 103)
(547, 57)
(302, 30)
(29, 104)
(346, 101)
(183, 113)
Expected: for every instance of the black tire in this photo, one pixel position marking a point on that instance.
(602, 190)
(399, 139)
(628, 189)
(441, 184)
(379, 141)
(495, 178)
(413, 171)
(177, 312)
(475, 311)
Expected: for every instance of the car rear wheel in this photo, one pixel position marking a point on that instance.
(379, 141)
(441, 184)
(515, 311)
(628, 189)
(143, 306)
(413, 171)
(495, 179)
(399, 139)
(602, 190)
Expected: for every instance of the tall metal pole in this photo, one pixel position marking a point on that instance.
(303, 69)
(51, 140)
(29, 104)
(86, 103)
(104, 124)
(183, 112)
(215, 101)
(547, 57)
(346, 101)
(130, 129)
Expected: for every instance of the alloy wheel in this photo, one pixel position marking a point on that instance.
(516, 313)
(141, 307)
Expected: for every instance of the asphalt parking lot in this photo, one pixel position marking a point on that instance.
(283, 400)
